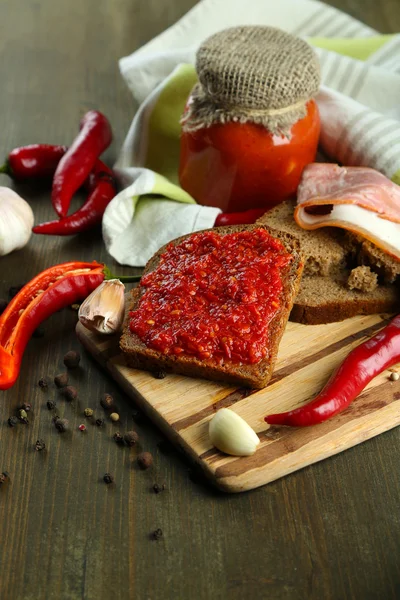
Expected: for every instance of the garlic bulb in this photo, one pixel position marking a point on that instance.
(103, 310)
(231, 434)
(16, 221)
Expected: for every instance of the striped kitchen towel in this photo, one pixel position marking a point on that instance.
(358, 102)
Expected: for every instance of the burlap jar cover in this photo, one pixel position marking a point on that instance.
(253, 74)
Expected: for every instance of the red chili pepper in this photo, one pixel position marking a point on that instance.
(362, 364)
(36, 160)
(239, 218)
(51, 290)
(74, 167)
(99, 170)
(102, 190)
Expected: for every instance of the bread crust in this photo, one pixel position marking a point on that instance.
(338, 310)
(139, 356)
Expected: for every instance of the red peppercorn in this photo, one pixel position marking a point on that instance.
(72, 359)
(82, 427)
(145, 460)
(131, 438)
(107, 402)
(61, 380)
(61, 425)
(70, 393)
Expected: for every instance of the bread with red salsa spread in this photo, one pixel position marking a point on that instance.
(282, 265)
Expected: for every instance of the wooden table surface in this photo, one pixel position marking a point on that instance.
(330, 531)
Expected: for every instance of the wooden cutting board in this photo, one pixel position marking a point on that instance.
(182, 407)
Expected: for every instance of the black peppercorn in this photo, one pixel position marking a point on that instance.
(3, 305)
(61, 425)
(117, 437)
(43, 383)
(144, 460)
(159, 374)
(157, 534)
(4, 477)
(26, 406)
(158, 488)
(70, 393)
(12, 421)
(107, 402)
(99, 422)
(131, 438)
(61, 380)
(40, 445)
(72, 359)
(51, 404)
(108, 478)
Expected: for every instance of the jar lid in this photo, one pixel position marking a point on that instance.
(253, 73)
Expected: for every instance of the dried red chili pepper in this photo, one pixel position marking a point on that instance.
(362, 364)
(74, 167)
(48, 292)
(102, 189)
(36, 160)
(239, 218)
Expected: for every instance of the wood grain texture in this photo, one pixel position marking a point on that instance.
(329, 531)
(182, 406)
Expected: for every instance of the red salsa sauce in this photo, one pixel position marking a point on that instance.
(213, 296)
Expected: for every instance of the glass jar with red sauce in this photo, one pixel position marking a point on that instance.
(250, 125)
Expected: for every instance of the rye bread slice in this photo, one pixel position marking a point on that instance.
(385, 265)
(323, 249)
(139, 356)
(324, 295)
(325, 300)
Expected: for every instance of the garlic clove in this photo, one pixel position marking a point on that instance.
(16, 221)
(231, 434)
(103, 310)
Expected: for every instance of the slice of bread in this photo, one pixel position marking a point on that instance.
(387, 267)
(364, 252)
(325, 300)
(323, 249)
(325, 295)
(139, 356)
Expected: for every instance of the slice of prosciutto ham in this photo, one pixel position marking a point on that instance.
(359, 199)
